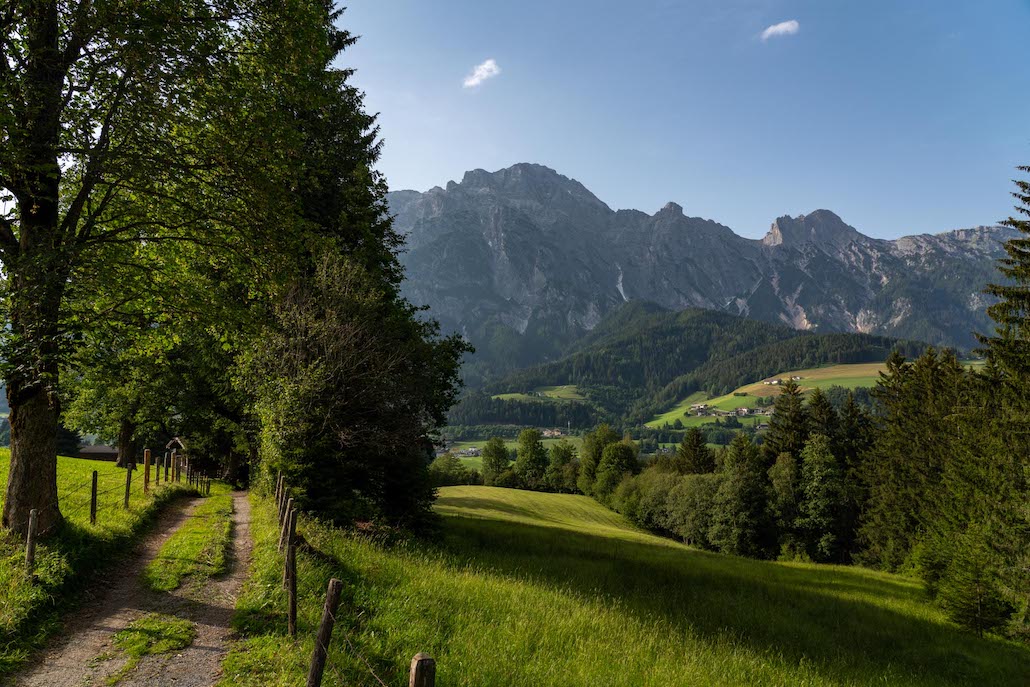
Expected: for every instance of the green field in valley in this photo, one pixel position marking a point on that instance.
(565, 392)
(847, 376)
(853, 376)
(526, 589)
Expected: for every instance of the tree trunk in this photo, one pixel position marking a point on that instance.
(126, 443)
(37, 273)
(32, 479)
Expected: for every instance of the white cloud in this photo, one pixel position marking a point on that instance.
(784, 28)
(481, 73)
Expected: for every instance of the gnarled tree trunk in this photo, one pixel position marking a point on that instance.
(126, 443)
(38, 263)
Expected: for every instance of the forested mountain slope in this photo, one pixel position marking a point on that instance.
(642, 357)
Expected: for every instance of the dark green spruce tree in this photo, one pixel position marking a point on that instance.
(693, 456)
(788, 426)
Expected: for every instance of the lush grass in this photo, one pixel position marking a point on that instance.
(569, 392)
(541, 589)
(151, 634)
(199, 548)
(853, 376)
(565, 392)
(848, 376)
(29, 609)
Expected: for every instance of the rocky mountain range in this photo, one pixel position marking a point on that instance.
(525, 261)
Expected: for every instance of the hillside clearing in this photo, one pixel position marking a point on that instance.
(850, 376)
(564, 392)
(528, 589)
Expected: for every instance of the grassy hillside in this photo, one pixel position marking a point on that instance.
(565, 392)
(28, 609)
(848, 376)
(528, 589)
(851, 376)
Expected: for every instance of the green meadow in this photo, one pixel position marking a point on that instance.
(564, 392)
(29, 609)
(529, 589)
(848, 376)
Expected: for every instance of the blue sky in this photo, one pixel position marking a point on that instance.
(902, 117)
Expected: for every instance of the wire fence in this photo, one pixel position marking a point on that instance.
(89, 497)
(422, 672)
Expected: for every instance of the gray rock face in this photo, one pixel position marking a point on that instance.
(524, 260)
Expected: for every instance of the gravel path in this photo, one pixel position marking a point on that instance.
(85, 654)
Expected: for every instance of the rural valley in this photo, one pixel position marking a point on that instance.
(282, 405)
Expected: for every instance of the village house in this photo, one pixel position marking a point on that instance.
(552, 433)
(98, 452)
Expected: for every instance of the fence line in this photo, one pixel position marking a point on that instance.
(201, 481)
(422, 672)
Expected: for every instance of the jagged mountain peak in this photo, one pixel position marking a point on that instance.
(524, 261)
(822, 227)
(526, 180)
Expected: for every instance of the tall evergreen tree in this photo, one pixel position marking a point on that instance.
(855, 438)
(693, 455)
(915, 441)
(788, 426)
(741, 524)
(821, 509)
(785, 496)
(823, 418)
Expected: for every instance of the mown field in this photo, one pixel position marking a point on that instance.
(847, 376)
(526, 589)
(29, 610)
(565, 392)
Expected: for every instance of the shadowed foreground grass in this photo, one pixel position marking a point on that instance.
(544, 589)
(29, 610)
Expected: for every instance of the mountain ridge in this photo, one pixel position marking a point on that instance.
(524, 261)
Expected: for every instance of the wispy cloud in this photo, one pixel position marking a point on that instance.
(784, 28)
(482, 72)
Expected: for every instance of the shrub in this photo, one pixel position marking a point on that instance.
(617, 460)
(690, 506)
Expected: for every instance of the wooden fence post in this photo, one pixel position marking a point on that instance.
(291, 537)
(30, 541)
(281, 498)
(93, 501)
(128, 482)
(278, 488)
(146, 471)
(285, 525)
(291, 587)
(325, 633)
(423, 671)
(168, 461)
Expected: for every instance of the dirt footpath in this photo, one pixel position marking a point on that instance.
(84, 654)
